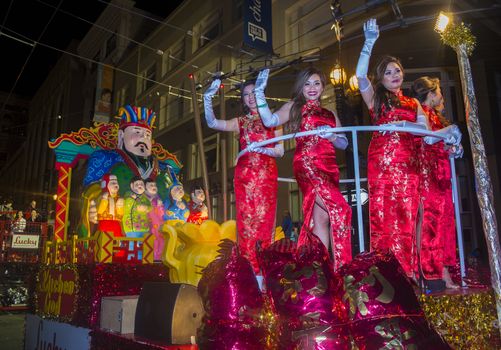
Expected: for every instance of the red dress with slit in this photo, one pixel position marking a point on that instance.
(393, 179)
(255, 183)
(438, 231)
(317, 174)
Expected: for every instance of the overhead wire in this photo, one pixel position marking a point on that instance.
(28, 58)
(168, 86)
(157, 51)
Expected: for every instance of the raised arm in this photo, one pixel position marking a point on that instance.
(269, 119)
(212, 122)
(371, 33)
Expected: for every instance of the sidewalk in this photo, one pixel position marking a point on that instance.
(11, 331)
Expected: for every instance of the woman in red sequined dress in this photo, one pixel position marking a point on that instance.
(325, 211)
(255, 178)
(393, 162)
(437, 248)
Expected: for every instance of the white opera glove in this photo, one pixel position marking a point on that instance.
(269, 119)
(371, 33)
(452, 136)
(275, 152)
(339, 140)
(419, 125)
(212, 122)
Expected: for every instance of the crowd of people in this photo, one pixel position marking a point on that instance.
(410, 201)
(20, 221)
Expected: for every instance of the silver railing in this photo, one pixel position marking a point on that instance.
(354, 130)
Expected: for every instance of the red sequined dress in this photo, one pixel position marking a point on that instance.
(393, 178)
(317, 175)
(255, 185)
(438, 232)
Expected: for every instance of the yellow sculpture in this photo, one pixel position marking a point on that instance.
(189, 248)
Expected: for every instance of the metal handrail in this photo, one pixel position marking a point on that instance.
(382, 128)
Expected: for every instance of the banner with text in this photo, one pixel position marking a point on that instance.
(257, 25)
(21, 241)
(44, 334)
(57, 291)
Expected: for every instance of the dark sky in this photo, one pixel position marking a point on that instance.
(29, 17)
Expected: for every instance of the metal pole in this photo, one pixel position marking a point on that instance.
(200, 141)
(457, 215)
(224, 157)
(357, 189)
(483, 180)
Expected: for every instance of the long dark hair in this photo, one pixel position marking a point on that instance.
(382, 96)
(298, 97)
(246, 83)
(420, 89)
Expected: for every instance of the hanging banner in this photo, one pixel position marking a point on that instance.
(257, 25)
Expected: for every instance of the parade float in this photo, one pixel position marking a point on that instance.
(136, 275)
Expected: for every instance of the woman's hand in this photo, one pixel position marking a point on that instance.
(371, 31)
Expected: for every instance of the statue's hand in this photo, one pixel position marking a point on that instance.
(120, 202)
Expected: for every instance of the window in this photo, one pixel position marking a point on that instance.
(174, 56)
(233, 208)
(214, 206)
(147, 78)
(174, 107)
(111, 44)
(296, 202)
(122, 97)
(211, 146)
(209, 29)
(302, 31)
(237, 10)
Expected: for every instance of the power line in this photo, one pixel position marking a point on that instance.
(185, 31)
(29, 56)
(168, 86)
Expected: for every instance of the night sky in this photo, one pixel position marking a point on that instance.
(28, 18)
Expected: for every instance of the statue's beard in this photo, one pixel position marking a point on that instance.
(141, 162)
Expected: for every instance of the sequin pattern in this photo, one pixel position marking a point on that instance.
(393, 178)
(317, 174)
(438, 234)
(255, 185)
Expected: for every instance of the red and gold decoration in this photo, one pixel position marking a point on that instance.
(466, 320)
(301, 285)
(233, 303)
(63, 199)
(384, 312)
(57, 290)
(105, 136)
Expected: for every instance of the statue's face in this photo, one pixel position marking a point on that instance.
(113, 185)
(151, 188)
(177, 192)
(198, 196)
(137, 140)
(137, 187)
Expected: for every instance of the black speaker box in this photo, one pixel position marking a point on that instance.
(168, 313)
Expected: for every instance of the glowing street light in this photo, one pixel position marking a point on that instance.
(337, 75)
(353, 82)
(442, 22)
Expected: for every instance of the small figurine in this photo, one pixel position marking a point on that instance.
(198, 210)
(137, 206)
(178, 210)
(110, 210)
(156, 217)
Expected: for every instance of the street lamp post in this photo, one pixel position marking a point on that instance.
(459, 37)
